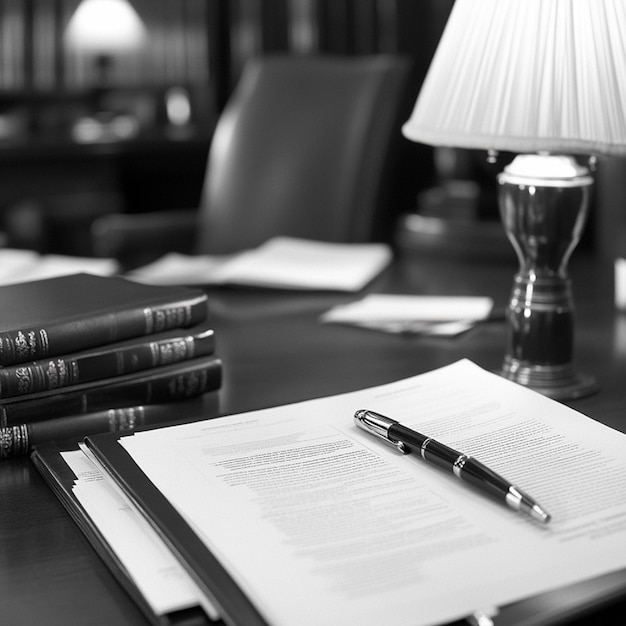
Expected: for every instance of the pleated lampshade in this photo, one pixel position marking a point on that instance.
(527, 76)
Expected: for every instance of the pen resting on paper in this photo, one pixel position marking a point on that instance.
(461, 465)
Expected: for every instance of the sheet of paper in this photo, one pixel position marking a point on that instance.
(321, 523)
(395, 313)
(432, 329)
(179, 269)
(161, 579)
(282, 263)
(23, 265)
(15, 262)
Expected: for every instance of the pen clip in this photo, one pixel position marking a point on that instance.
(378, 425)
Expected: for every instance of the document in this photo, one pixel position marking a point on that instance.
(320, 523)
(281, 263)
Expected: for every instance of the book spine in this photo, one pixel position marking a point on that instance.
(20, 440)
(27, 344)
(167, 384)
(63, 372)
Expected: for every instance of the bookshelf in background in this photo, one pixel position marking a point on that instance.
(68, 144)
(49, 96)
(34, 55)
(200, 45)
(39, 72)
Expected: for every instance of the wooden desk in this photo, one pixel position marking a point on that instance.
(275, 351)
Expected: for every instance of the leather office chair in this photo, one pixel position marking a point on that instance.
(303, 148)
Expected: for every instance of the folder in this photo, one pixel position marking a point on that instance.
(542, 610)
(219, 584)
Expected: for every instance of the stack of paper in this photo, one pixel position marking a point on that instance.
(160, 577)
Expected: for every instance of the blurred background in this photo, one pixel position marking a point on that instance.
(117, 115)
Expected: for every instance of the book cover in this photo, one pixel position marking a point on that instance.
(168, 383)
(114, 359)
(21, 439)
(71, 313)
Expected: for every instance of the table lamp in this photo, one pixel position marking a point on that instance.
(104, 28)
(546, 80)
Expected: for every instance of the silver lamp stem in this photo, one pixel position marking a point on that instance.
(543, 203)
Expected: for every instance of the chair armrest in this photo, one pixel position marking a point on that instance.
(138, 238)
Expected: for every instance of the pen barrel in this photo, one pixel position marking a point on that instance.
(462, 466)
(475, 473)
(431, 450)
(412, 438)
(439, 454)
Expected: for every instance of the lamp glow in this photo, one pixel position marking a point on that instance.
(105, 27)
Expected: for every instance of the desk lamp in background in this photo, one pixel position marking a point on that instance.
(545, 79)
(102, 30)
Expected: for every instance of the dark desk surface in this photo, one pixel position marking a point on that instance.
(275, 352)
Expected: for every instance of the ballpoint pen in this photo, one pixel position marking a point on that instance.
(462, 466)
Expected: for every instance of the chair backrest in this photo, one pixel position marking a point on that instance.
(303, 148)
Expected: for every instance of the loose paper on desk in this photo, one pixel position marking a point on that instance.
(24, 265)
(620, 284)
(281, 263)
(321, 523)
(401, 314)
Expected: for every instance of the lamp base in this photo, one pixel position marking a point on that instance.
(559, 382)
(543, 205)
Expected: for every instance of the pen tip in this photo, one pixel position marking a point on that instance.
(521, 501)
(539, 514)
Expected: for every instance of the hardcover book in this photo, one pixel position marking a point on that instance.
(168, 383)
(21, 439)
(114, 359)
(70, 313)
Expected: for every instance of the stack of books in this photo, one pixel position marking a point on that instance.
(83, 353)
